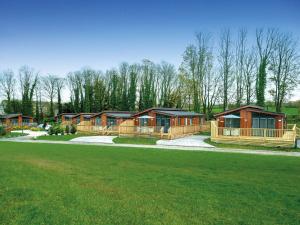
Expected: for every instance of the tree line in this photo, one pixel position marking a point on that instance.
(227, 69)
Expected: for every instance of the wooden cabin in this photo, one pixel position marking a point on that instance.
(15, 120)
(82, 117)
(65, 118)
(110, 118)
(167, 117)
(250, 117)
(252, 125)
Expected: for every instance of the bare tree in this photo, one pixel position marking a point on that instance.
(211, 91)
(7, 84)
(60, 83)
(28, 80)
(226, 64)
(249, 75)
(240, 65)
(50, 90)
(284, 67)
(204, 64)
(168, 76)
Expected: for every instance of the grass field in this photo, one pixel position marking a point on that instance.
(58, 137)
(72, 184)
(135, 140)
(251, 147)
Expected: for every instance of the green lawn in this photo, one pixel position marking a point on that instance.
(251, 147)
(135, 140)
(62, 137)
(73, 184)
(13, 134)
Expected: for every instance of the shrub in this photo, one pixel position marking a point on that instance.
(2, 131)
(57, 130)
(67, 129)
(51, 131)
(73, 129)
(36, 129)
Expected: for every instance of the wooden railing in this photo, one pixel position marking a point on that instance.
(179, 131)
(277, 137)
(287, 134)
(159, 131)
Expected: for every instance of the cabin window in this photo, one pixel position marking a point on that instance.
(162, 121)
(78, 120)
(98, 121)
(25, 121)
(178, 121)
(111, 121)
(191, 121)
(263, 122)
(232, 122)
(15, 122)
(185, 121)
(144, 121)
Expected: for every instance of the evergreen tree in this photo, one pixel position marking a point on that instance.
(132, 88)
(261, 83)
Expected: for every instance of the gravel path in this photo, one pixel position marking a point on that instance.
(188, 141)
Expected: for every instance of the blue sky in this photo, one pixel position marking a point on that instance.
(61, 36)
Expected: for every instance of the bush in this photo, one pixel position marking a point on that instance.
(51, 131)
(36, 129)
(2, 131)
(67, 129)
(73, 129)
(21, 128)
(62, 132)
(57, 130)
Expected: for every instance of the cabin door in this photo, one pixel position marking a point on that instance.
(165, 122)
(167, 125)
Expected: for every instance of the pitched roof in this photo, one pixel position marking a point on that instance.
(178, 113)
(8, 116)
(120, 115)
(67, 114)
(252, 108)
(157, 108)
(86, 115)
(117, 114)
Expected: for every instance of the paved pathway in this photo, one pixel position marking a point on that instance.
(188, 141)
(241, 151)
(95, 139)
(30, 136)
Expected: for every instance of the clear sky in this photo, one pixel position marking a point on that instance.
(58, 36)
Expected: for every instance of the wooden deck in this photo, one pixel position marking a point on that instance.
(127, 128)
(254, 136)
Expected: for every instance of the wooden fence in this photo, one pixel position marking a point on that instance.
(254, 136)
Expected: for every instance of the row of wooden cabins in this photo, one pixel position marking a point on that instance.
(165, 122)
(244, 125)
(15, 120)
